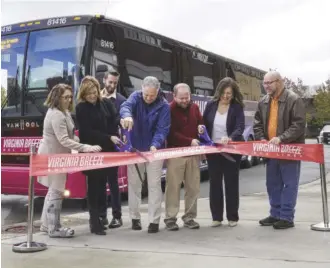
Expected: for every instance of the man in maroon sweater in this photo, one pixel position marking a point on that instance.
(185, 118)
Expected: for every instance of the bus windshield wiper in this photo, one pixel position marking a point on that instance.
(32, 96)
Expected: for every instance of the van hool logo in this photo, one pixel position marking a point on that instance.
(22, 124)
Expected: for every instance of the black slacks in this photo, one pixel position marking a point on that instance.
(221, 168)
(96, 195)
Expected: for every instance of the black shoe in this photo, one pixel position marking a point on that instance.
(104, 221)
(115, 223)
(97, 228)
(191, 224)
(283, 224)
(97, 231)
(136, 225)
(153, 228)
(172, 226)
(269, 221)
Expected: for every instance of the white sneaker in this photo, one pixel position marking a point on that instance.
(216, 223)
(232, 223)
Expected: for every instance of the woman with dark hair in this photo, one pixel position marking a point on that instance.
(97, 125)
(58, 138)
(224, 121)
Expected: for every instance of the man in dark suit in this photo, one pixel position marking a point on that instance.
(110, 81)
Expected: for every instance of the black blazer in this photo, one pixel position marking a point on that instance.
(96, 123)
(119, 100)
(235, 120)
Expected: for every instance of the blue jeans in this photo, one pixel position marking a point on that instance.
(282, 181)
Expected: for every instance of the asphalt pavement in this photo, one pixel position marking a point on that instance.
(246, 245)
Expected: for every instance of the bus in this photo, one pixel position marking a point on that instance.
(36, 55)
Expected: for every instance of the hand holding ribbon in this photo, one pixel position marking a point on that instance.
(206, 140)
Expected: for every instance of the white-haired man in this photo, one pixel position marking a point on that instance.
(147, 114)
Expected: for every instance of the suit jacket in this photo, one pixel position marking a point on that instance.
(120, 99)
(235, 120)
(57, 138)
(97, 123)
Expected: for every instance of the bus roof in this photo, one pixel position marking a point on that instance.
(86, 19)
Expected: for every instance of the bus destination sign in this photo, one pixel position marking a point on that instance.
(45, 23)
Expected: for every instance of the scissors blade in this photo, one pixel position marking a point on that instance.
(225, 155)
(228, 157)
(140, 154)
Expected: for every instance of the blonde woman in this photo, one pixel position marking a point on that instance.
(96, 119)
(58, 138)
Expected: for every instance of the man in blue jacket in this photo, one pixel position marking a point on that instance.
(147, 115)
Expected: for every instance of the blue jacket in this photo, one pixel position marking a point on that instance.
(235, 120)
(151, 121)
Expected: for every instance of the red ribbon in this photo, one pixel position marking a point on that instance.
(64, 163)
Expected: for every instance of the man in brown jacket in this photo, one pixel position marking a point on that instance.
(280, 118)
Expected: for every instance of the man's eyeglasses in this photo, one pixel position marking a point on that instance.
(268, 83)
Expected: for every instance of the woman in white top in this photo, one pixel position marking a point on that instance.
(58, 138)
(224, 121)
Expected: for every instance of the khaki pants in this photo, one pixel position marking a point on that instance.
(155, 195)
(185, 169)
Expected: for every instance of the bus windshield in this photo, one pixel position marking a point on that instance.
(53, 56)
(12, 58)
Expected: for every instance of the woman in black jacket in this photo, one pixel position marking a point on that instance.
(96, 119)
(224, 121)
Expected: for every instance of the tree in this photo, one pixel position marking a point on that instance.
(322, 104)
(297, 87)
(3, 96)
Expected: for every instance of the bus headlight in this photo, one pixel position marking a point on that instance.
(66, 193)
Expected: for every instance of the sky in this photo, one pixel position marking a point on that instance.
(289, 35)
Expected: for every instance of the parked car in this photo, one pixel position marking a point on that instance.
(324, 135)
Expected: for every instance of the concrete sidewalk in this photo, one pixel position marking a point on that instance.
(247, 245)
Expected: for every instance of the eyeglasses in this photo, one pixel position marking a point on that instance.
(268, 83)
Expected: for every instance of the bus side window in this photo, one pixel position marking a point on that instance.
(201, 68)
(99, 73)
(143, 54)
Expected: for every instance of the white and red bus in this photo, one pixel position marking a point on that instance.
(36, 55)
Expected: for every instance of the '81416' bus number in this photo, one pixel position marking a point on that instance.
(56, 21)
